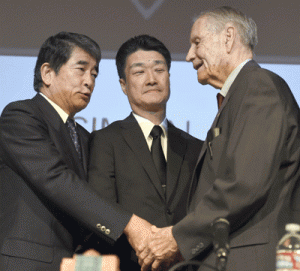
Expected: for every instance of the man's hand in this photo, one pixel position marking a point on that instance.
(138, 232)
(161, 252)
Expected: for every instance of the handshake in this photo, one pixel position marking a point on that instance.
(155, 247)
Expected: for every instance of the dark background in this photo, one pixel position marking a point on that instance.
(24, 25)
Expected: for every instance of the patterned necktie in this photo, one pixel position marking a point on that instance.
(220, 99)
(158, 155)
(74, 135)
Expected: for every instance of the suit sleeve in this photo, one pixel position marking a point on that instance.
(27, 148)
(247, 168)
(101, 175)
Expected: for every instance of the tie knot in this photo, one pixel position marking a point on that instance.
(156, 131)
(70, 122)
(220, 99)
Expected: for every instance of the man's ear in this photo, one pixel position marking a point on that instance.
(230, 36)
(47, 74)
(123, 85)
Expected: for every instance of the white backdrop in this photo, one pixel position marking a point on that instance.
(192, 107)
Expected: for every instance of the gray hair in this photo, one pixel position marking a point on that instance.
(246, 27)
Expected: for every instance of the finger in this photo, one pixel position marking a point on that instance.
(144, 260)
(141, 256)
(145, 267)
(141, 250)
(155, 265)
(147, 262)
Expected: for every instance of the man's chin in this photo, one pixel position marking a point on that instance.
(154, 107)
(202, 77)
(202, 81)
(81, 106)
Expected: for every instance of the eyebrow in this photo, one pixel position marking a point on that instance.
(83, 62)
(141, 64)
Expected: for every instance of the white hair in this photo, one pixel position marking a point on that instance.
(246, 27)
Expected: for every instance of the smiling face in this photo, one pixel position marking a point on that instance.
(146, 82)
(71, 88)
(207, 53)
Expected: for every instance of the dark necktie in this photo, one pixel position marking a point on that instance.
(74, 135)
(158, 155)
(220, 99)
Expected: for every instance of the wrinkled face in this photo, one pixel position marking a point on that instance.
(147, 84)
(72, 87)
(206, 52)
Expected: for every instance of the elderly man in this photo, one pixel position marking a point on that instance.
(47, 208)
(123, 166)
(249, 163)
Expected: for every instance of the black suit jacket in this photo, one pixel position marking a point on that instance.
(245, 173)
(122, 169)
(46, 204)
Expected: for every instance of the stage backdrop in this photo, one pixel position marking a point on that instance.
(192, 107)
(25, 24)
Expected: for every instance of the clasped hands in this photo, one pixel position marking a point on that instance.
(160, 250)
(155, 247)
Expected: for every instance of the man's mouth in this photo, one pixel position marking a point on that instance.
(86, 95)
(197, 67)
(152, 89)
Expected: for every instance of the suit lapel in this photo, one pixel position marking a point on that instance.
(247, 67)
(176, 152)
(61, 137)
(134, 137)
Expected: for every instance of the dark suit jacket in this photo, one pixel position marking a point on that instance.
(122, 169)
(46, 203)
(248, 167)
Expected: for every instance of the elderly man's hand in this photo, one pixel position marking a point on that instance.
(161, 251)
(138, 231)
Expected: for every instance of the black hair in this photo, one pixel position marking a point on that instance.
(57, 50)
(141, 42)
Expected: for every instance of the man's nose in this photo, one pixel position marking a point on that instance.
(89, 81)
(190, 55)
(151, 78)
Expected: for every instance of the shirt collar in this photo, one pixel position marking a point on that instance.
(224, 90)
(64, 116)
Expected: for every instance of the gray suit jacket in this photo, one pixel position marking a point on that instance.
(122, 169)
(46, 205)
(248, 167)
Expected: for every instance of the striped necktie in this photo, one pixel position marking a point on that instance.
(74, 135)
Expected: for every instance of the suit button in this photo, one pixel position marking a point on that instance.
(107, 231)
(98, 226)
(198, 247)
(103, 228)
(169, 212)
(194, 251)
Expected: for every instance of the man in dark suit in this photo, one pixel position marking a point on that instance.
(121, 165)
(47, 208)
(249, 163)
